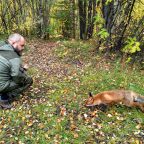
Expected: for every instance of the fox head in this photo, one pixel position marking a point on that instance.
(93, 100)
(90, 100)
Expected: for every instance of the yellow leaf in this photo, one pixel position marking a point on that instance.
(46, 136)
(23, 118)
(27, 132)
(75, 135)
(1, 126)
(73, 127)
(30, 123)
(41, 125)
(138, 126)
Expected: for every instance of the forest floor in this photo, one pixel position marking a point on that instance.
(52, 111)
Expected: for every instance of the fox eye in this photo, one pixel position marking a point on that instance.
(90, 98)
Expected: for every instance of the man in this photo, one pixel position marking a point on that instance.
(13, 78)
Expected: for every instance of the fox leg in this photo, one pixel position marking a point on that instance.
(102, 107)
(128, 103)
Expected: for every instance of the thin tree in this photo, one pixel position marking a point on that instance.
(82, 4)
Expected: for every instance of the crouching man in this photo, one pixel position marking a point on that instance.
(13, 78)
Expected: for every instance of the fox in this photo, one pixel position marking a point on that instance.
(107, 98)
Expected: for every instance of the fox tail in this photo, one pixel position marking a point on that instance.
(139, 99)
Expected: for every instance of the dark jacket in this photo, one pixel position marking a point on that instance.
(10, 63)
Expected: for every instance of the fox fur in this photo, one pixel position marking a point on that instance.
(127, 97)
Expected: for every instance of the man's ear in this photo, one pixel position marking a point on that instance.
(90, 94)
(14, 44)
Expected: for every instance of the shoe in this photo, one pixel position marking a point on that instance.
(5, 104)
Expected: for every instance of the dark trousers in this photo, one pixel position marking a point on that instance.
(15, 89)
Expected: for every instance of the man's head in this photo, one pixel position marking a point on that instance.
(17, 41)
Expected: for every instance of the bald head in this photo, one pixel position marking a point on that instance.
(15, 37)
(17, 41)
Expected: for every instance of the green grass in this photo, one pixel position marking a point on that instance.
(36, 116)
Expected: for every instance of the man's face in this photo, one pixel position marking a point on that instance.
(19, 46)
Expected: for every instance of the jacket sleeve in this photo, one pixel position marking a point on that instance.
(17, 75)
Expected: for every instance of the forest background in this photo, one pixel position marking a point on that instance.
(112, 25)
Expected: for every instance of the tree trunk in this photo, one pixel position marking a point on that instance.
(108, 14)
(3, 15)
(91, 15)
(89, 29)
(46, 20)
(119, 43)
(72, 13)
(40, 23)
(82, 18)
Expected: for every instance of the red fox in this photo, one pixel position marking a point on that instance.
(128, 98)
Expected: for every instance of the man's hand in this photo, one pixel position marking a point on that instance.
(25, 66)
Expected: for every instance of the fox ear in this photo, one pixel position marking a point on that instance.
(90, 94)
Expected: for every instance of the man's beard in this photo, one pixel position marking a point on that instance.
(18, 52)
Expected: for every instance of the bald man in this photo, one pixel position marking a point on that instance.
(13, 77)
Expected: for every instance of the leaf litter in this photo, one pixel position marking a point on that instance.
(52, 109)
